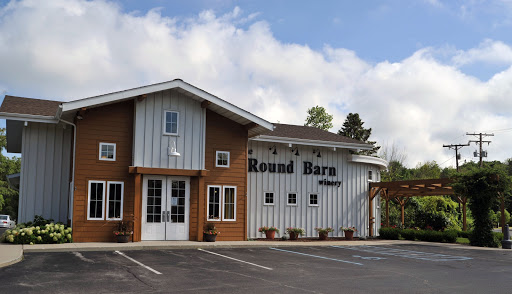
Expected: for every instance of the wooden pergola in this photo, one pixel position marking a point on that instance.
(403, 190)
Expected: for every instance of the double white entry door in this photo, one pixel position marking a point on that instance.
(165, 208)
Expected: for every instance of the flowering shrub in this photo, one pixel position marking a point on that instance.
(324, 231)
(267, 229)
(348, 229)
(210, 229)
(296, 231)
(123, 228)
(47, 234)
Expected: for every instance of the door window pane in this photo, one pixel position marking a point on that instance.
(154, 203)
(178, 201)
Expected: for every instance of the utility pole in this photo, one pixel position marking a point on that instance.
(480, 142)
(456, 147)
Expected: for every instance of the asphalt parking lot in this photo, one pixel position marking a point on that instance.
(333, 269)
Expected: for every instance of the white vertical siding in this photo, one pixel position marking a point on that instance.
(346, 205)
(150, 146)
(45, 172)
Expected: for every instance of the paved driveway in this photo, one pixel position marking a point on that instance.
(341, 269)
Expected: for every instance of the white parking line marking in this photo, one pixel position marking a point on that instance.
(79, 255)
(267, 268)
(322, 257)
(137, 262)
(405, 253)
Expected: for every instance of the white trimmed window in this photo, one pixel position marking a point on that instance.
(229, 203)
(313, 199)
(221, 203)
(108, 151)
(96, 200)
(222, 159)
(292, 199)
(269, 198)
(105, 196)
(171, 122)
(370, 175)
(115, 192)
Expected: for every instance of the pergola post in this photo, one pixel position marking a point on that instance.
(463, 200)
(373, 192)
(502, 214)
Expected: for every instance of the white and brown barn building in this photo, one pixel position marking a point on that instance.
(172, 157)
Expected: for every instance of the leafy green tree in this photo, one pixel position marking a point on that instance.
(483, 186)
(8, 166)
(427, 170)
(353, 128)
(319, 118)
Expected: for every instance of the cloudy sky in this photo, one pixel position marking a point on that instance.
(420, 73)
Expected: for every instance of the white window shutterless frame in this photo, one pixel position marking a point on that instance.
(165, 208)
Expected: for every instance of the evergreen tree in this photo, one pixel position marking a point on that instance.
(353, 128)
(319, 118)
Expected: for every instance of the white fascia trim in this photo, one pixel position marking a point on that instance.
(106, 98)
(317, 143)
(29, 117)
(381, 163)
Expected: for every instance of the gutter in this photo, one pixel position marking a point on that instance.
(318, 143)
(72, 184)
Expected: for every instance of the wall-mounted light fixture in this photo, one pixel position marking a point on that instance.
(273, 147)
(296, 150)
(78, 116)
(250, 151)
(171, 150)
(317, 151)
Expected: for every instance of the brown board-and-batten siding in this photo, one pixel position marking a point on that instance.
(108, 124)
(223, 134)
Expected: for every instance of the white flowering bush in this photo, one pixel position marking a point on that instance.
(32, 233)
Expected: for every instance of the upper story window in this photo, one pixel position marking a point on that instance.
(269, 198)
(313, 199)
(108, 151)
(171, 122)
(222, 159)
(292, 199)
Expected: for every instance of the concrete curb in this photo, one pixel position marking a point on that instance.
(10, 254)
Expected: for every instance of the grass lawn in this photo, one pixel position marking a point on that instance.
(462, 240)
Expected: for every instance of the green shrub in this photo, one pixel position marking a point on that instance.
(430, 236)
(450, 236)
(389, 233)
(408, 234)
(464, 234)
(45, 233)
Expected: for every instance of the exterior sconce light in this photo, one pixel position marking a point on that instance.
(250, 151)
(171, 151)
(273, 147)
(296, 150)
(317, 151)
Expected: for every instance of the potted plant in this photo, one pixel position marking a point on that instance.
(270, 232)
(210, 232)
(323, 232)
(123, 231)
(349, 232)
(295, 232)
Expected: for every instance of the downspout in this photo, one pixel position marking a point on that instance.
(72, 184)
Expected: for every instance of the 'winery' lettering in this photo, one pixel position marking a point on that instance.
(308, 168)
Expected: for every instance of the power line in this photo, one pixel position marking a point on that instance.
(482, 153)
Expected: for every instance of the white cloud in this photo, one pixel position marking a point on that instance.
(75, 49)
(489, 51)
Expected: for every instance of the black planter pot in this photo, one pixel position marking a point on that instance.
(123, 238)
(209, 237)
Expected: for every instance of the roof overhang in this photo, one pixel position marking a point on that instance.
(318, 143)
(381, 163)
(29, 117)
(216, 104)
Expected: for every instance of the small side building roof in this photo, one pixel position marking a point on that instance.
(304, 135)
